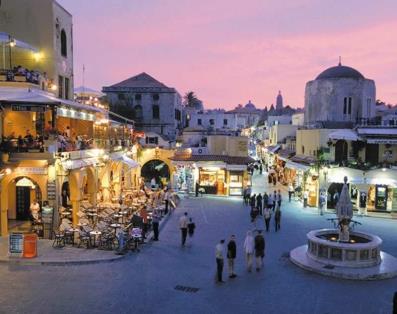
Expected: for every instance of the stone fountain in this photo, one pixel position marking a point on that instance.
(343, 252)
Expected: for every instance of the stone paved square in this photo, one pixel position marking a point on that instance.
(145, 282)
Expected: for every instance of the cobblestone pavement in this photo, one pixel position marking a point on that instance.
(145, 282)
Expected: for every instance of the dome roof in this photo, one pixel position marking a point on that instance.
(340, 71)
(250, 105)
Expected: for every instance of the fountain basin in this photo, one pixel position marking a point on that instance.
(363, 249)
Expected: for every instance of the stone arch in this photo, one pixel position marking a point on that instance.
(157, 169)
(341, 150)
(8, 188)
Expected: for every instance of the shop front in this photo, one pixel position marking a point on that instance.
(212, 180)
(212, 174)
(370, 191)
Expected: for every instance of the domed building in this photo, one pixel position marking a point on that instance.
(339, 94)
(250, 106)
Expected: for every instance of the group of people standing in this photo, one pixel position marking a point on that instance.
(253, 246)
(265, 206)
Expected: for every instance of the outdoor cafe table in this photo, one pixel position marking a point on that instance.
(94, 235)
(73, 231)
(65, 213)
(92, 216)
(115, 227)
(123, 215)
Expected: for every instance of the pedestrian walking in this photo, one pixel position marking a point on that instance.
(191, 226)
(290, 191)
(259, 250)
(253, 201)
(279, 198)
(265, 199)
(274, 200)
(248, 195)
(166, 201)
(183, 222)
(305, 198)
(322, 201)
(274, 179)
(270, 201)
(219, 254)
(249, 247)
(260, 169)
(277, 218)
(155, 226)
(259, 203)
(267, 214)
(231, 256)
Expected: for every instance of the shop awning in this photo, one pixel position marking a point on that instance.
(120, 156)
(344, 134)
(78, 163)
(382, 140)
(129, 162)
(5, 39)
(295, 165)
(36, 96)
(284, 154)
(382, 177)
(273, 149)
(236, 167)
(337, 175)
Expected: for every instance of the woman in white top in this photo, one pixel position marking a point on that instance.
(249, 248)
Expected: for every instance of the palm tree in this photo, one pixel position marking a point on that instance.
(191, 100)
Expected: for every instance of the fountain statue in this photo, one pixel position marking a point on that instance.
(344, 212)
(342, 252)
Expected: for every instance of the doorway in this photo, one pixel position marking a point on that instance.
(23, 202)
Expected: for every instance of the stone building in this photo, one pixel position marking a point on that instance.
(340, 94)
(46, 28)
(156, 107)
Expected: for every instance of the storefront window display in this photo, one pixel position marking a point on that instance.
(236, 183)
(312, 187)
(379, 198)
(185, 178)
(212, 180)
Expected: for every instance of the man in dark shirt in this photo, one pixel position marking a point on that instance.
(231, 255)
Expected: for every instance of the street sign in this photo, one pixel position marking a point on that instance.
(32, 108)
(15, 246)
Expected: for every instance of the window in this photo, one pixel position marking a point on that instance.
(152, 140)
(303, 150)
(224, 121)
(345, 105)
(121, 96)
(156, 112)
(64, 48)
(177, 114)
(67, 87)
(138, 112)
(350, 106)
(138, 96)
(156, 96)
(199, 122)
(369, 101)
(60, 86)
(212, 122)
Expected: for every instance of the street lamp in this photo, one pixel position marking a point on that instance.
(12, 42)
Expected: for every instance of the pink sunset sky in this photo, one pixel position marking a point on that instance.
(230, 51)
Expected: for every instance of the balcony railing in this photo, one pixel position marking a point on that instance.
(22, 75)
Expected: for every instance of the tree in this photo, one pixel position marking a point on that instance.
(190, 100)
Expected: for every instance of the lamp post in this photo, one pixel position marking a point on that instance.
(325, 171)
(12, 43)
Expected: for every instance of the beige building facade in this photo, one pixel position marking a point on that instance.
(48, 28)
